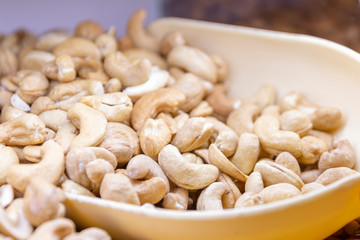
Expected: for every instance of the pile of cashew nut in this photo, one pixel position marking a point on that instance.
(146, 122)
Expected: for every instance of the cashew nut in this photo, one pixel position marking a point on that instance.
(152, 103)
(325, 137)
(232, 192)
(248, 199)
(88, 29)
(185, 174)
(54, 229)
(8, 62)
(287, 160)
(9, 112)
(312, 149)
(7, 195)
(254, 183)
(35, 59)
(171, 40)
(107, 44)
(203, 109)
(334, 174)
(91, 123)
(48, 40)
(222, 104)
(92, 233)
(210, 197)
(309, 187)
(264, 96)
(273, 140)
(69, 186)
(42, 104)
(136, 54)
(295, 121)
(278, 192)
(62, 69)
(77, 47)
(51, 166)
(309, 176)
(176, 199)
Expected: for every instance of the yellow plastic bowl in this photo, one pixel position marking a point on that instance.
(327, 73)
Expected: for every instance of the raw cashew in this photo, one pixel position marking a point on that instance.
(7, 195)
(136, 54)
(42, 104)
(287, 160)
(9, 112)
(193, 134)
(152, 103)
(309, 187)
(8, 62)
(192, 87)
(77, 160)
(312, 149)
(171, 40)
(157, 79)
(13, 221)
(322, 118)
(116, 65)
(334, 174)
(342, 155)
(278, 192)
(273, 110)
(32, 153)
(247, 152)
(273, 173)
(169, 120)
(327, 138)
(96, 170)
(185, 174)
(62, 69)
(8, 158)
(122, 141)
(5, 97)
(118, 187)
(254, 183)
(232, 192)
(106, 43)
(193, 60)
(78, 47)
(50, 168)
(92, 233)
(138, 35)
(91, 123)
(176, 199)
(48, 40)
(242, 120)
(248, 199)
(295, 121)
(69, 186)
(273, 140)
(265, 96)
(54, 229)
(222, 104)
(223, 137)
(202, 110)
(309, 176)
(113, 85)
(43, 201)
(154, 136)
(88, 29)
(221, 67)
(151, 190)
(210, 197)
(23, 130)
(115, 106)
(35, 59)
(31, 86)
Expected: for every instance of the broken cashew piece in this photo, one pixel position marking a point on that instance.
(184, 174)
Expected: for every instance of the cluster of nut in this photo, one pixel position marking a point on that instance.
(148, 122)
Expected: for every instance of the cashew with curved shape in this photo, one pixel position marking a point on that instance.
(151, 190)
(9, 112)
(193, 60)
(242, 120)
(279, 192)
(273, 140)
(327, 138)
(309, 176)
(247, 152)
(157, 79)
(193, 89)
(136, 54)
(185, 174)
(289, 161)
(32, 153)
(91, 123)
(118, 187)
(62, 69)
(43, 202)
(69, 186)
(42, 104)
(154, 136)
(309, 187)
(222, 104)
(78, 47)
(35, 59)
(54, 229)
(192, 158)
(8, 158)
(113, 85)
(31, 86)
(264, 96)
(171, 40)
(122, 141)
(115, 106)
(13, 221)
(138, 35)
(116, 65)
(48, 40)
(7, 195)
(23, 130)
(176, 199)
(254, 183)
(92, 233)
(248, 199)
(96, 170)
(106, 43)
(342, 155)
(322, 118)
(332, 175)
(211, 197)
(169, 120)
(152, 103)
(77, 160)
(223, 137)
(232, 192)
(193, 134)
(295, 121)
(312, 150)
(88, 29)
(51, 166)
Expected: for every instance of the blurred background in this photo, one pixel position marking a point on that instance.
(336, 20)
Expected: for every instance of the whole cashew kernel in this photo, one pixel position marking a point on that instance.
(113, 85)
(309, 187)
(8, 62)
(176, 199)
(273, 140)
(342, 155)
(193, 60)
(232, 192)
(122, 141)
(92, 233)
(254, 183)
(106, 43)
(151, 190)
(222, 104)
(312, 149)
(221, 67)
(9, 112)
(23, 130)
(69, 186)
(35, 59)
(152, 103)
(265, 96)
(78, 47)
(115, 106)
(61, 69)
(273, 173)
(193, 134)
(42, 104)
(32, 86)
(325, 137)
(295, 121)
(48, 40)
(248, 199)
(88, 29)
(8, 158)
(43, 202)
(334, 174)
(242, 120)
(136, 54)
(50, 168)
(278, 192)
(169, 120)
(203, 109)
(210, 197)
(171, 40)
(7, 195)
(138, 35)
(185, 174)
(247, 152)
(287, 160)
(310, 176)
(154, 136)
(273, 110)
(91, 123)
(57, 228)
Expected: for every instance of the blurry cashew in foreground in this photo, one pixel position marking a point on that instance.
(8, 158)
(184, 174)
(57, 228)
(51, 166)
